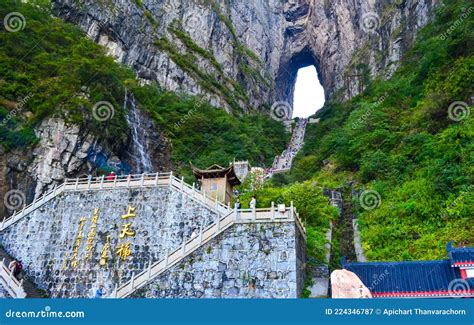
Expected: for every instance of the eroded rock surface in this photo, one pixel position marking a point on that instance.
(347, 41)
(346, 284)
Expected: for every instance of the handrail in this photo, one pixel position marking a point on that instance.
(37, 202)
(226, 217)
(205, 235)
(128, 181)
(139, 180)
(10, 283)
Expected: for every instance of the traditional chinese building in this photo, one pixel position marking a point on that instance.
(217, 181)
(153, 236)
(453, 277)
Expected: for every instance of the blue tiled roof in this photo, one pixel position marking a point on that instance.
(417, 278)
(461, 256)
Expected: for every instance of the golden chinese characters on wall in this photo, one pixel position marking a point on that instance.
(123, 250)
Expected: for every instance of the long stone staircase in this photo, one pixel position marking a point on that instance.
(119, 182)
(23, 288)
(284, 162)
(226, 218)
(205, 235)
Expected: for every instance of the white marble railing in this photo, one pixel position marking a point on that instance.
(37, 202)
(119, 182)
(10, 283)
(205, 235)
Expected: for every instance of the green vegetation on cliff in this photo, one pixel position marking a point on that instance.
(398, 138)
(50, 68)
(401, 139)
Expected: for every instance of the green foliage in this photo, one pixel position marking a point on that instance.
(149, 16)
(205, 135)
(139, 3)
(397, 138)
(51, 69)
(312, 206)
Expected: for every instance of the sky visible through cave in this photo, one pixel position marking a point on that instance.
(309, 94)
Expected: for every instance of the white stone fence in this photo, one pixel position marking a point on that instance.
(10, 283)
(173, 257)
(226, 217)
(119, 182)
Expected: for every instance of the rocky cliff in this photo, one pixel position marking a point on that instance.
(66, 150)
(241, 54)
(246, 53)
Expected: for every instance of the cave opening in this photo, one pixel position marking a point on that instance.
(301, 83)
(308, 96)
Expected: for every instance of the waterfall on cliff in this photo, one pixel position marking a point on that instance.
(138, 148)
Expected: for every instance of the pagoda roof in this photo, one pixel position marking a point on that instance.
(441, 278)
(461, 257)
(216, 171)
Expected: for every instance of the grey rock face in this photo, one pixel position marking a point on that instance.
(66, 150)
(61, 152)
(346, 40)
(248, 260)
(45, 240)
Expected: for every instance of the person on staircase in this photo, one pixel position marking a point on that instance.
(111, 176)
(15, 268)
(253, 203)
(237, 205)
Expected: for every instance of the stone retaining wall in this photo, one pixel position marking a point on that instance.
(247, 260)
(45, 240)
(262, 260)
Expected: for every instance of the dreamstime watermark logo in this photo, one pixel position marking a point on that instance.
(14, 22)
(14, 199)
(457, 23)
(370, 200)
(281, 111)
(378, 278)
(46, 313)
(370, 22)
(17, 110)
(195, 23)
(363, 119)
(103, 111)
(459, 287)
(458, 111)
(211, 99)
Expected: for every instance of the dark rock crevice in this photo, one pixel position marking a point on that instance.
(334, 33)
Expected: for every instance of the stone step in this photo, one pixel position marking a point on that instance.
(29, 287)
(131, 181)
(213, 230)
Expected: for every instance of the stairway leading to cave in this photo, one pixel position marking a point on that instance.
(284, 162)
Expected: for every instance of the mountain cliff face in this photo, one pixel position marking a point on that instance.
(245, 54)
(242, 55)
